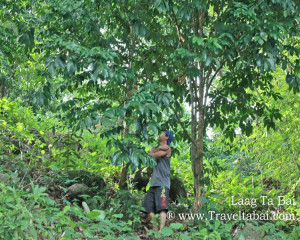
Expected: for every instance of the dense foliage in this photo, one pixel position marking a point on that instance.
(88, 85)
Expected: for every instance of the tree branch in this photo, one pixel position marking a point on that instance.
(208, 86)
(181, 39)
(216, 72)
(259, 95)
(183, 127)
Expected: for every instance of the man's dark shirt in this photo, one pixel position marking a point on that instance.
(161, 173)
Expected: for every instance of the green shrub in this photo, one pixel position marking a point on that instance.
(31, 215)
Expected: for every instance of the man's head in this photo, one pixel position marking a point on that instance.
(166, 136)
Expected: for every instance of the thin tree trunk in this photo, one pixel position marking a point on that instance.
(123, 179)
(193, 130)
(199, 173)
(2, 91)
(197, 159)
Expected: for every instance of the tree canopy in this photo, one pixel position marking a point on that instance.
(130, 66)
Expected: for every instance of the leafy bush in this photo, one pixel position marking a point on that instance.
(31, 215)
(28, 213)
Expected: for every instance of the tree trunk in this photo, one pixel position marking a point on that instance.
(2, 89)
(123, 179)
(197, 150)
(198, 170)
(198, 121)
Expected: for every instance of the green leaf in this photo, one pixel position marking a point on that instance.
(241, 237)
(166, 232)
(88, 233)
(85, 207)
(217, 45)
(72, 224)
(152, 126)
(216, 235)
(95, 73)
(176, 226)
(184, 237)
(96, 215)
(140, 29)
(139, 124)
(93, 214)
(175, 9)
(116, 160)
(272, 63)
(203, 232)
(148, 186)
(217, 224)
(133, 159)
(166, 100)
(120, 215)
(83, 225)
(52, 69)
(134, 103)
(145, 133)
(66, 208)
(106, 121)
(159, 4)
(59, 63)
(183, 52)
(153, 107)
(71, 67)
(208, 61)
(142, 108)
(199, 41)
(260, 41)
(105, 72)
(123, 157)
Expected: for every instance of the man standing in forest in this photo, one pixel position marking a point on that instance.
(157, 197)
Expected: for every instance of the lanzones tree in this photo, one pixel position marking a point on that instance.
(222, 50)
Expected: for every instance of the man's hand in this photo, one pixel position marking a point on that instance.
(153, 149)
(160, 151)
(164, 147)
(160, 148)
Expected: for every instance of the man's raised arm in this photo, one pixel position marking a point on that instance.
(160, 148)
(160, 151)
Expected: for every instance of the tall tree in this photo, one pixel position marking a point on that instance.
(226, 48)
(93, 65)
